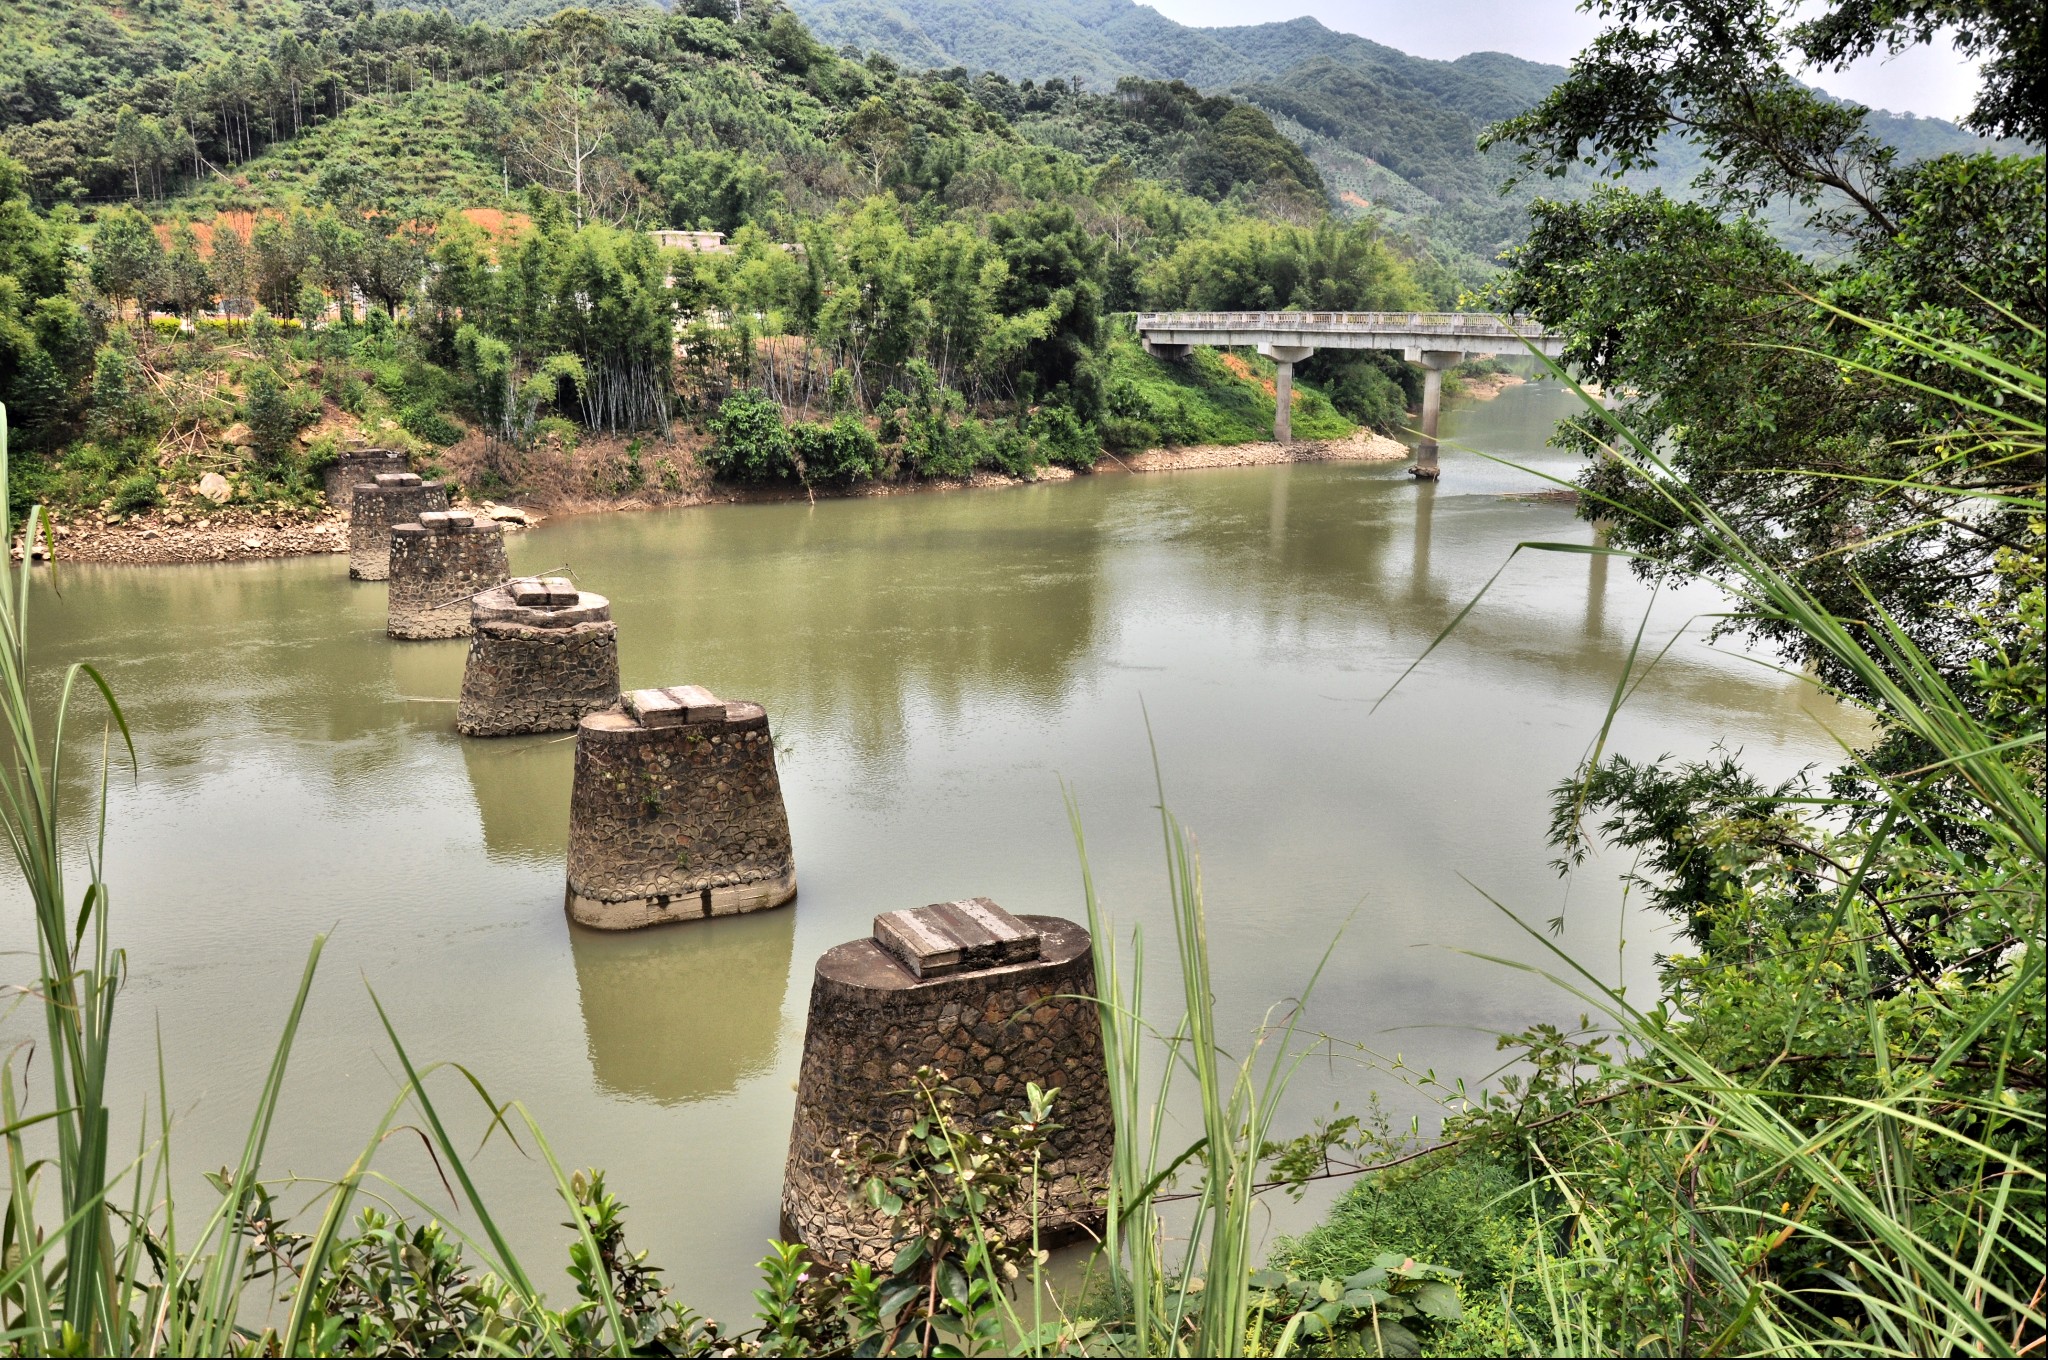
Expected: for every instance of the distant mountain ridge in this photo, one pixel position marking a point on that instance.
(1388, 131)
(1101, 40)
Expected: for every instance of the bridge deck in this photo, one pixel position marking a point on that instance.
(1413, 332)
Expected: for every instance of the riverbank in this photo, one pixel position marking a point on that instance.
(229, 533)
(1363, 447)
(1487, 386)
(241, 533)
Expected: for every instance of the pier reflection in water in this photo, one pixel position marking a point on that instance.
(521, 785)
(936, 665)
(686, 1013)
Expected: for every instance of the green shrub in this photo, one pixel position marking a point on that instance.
(1361, 388)
(1460, 1212)
(1063, 439)
(321, 452)
(136, 493)
(1123, 435)
(749, 443)
(352, 395)
(124, 406)
(424, 421)
(559, 428)
(1465, 1212)
(166, 327)
(943, 441)
(844, 451)
(1013, 452)
(276, 412)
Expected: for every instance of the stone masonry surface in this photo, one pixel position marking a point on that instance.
(341, 477)
(676, 820)
(393, 498)
(873, 1024)
(537, 669)
(436, 565)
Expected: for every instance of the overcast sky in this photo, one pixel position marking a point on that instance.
(1931, 81)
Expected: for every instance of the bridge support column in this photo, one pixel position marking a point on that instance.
(1434, 362)
(1284, 358)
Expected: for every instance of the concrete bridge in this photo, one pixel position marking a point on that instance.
(1435, 340)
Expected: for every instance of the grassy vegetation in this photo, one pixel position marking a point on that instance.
(432, 147)
(1210, 397)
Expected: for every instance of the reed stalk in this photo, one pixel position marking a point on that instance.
(1199, 1305)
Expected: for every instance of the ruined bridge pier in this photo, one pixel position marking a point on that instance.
(1435, 340)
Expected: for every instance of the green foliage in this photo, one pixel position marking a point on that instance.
(940, 438)
(1264, 266)
(123, 409)
(958, 1194)
(427, 422)
(275, 419)
(1733, 353)
(1377, 1311)
(1391, 136)
(1207, 398)
(1063, 439)
(749, 443)
(843, 451)
(1824, 1130)
(136, 493)
(586, 309)
(1466, 1213)
(126, 256)
(1364, 387)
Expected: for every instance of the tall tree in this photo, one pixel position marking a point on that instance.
(125, 255)
(1712, 332)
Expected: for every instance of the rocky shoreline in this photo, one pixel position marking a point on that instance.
(1362, 447)
(243, 533)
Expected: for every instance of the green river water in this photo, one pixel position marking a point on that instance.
(934, 667)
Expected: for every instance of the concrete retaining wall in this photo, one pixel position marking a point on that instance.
(436, 565)
(873, 1024)
(391, 498)
(536, 669)
(674, 820)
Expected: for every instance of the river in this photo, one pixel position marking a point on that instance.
(935, 667)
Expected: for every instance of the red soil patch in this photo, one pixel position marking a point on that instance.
(242, 223)
(496, 223)
(1355, 200)
(1241, 367)
(499, 226)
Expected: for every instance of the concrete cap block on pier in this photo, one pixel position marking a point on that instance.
(518, 603)
(534, 592)
(448, 521)
(674, 706)
(398, 479)
(955, 937)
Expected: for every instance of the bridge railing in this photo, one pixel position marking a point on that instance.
(1424, 323)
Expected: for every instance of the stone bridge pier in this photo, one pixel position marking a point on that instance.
(438, 565)
(541, 655)
(356, 468)
(374, 506)
(990, 1000)
(675, 812)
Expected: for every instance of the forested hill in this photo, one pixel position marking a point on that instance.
(1389, 132)
(442, 230)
